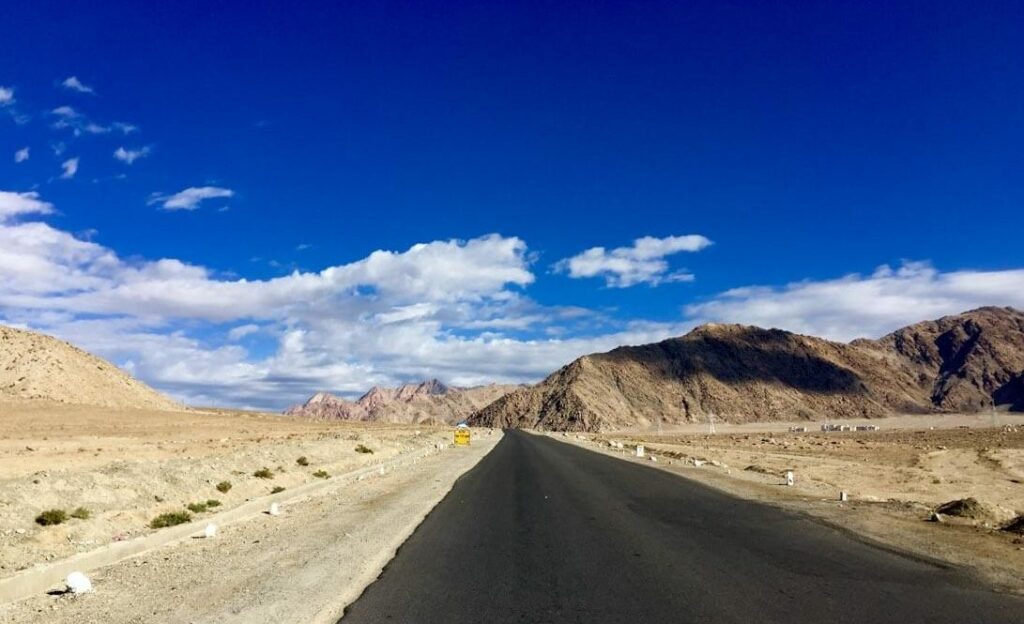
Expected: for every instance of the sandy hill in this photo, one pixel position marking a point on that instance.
(742, 374)
(429, 402)
(36, 366)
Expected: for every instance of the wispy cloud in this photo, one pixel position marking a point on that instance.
(67, 117)
(128, 156)
(72, 83)
(190, 198)
(70, 168)
(6, 96)
(642, 263)
(21, 155)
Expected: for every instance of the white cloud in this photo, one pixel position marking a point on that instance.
(190, 198)
(385, 318)
(21, 155)
(72, 83)
(68, 117)
(856, 306)
(642, 263)
(237, 333)
(14, 204)
(128, 156)
(124, 128)
(452, 309)
(6, 96)
(70, 168)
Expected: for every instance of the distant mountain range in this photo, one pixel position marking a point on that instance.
(961, 363)
(39, 367)
(429, 402)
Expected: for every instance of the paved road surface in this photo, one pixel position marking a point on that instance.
(546, 532)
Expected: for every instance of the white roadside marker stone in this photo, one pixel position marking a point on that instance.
(211, 531)
(789, 477)
(639, 450)
(78, 583)
(843, 497)
(275, 510)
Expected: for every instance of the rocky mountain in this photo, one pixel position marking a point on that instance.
(742, 374)
(38, 367)
(430, 402)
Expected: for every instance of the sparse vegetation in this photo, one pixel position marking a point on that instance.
(170, 519)
(224, 487)
(213, 502)
(277, 489)
(321, 474)
(263, 473)
(364, 449)
(51, 517)
(199, 507)
(81, 513)
(302, 461)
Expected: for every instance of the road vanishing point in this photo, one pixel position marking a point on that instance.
(542, 531)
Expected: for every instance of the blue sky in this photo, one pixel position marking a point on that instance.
(195, 170)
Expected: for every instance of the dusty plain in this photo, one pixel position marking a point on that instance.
(128, 466)
(895, 478)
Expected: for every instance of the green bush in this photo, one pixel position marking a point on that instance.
(224, 487)
(364, 449)
(277, 489)
(51, 516)
(213, 502)
(263, 473)
(321, 474)
(196, 507)
(302, 461)
(173, 518)
(81, 513)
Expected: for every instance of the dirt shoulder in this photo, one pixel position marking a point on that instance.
(894, 480)
(304, 566)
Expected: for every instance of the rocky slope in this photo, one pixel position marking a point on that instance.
(743, 374)
(430, 402)
(36, 366)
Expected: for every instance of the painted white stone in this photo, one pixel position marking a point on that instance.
(78, 583)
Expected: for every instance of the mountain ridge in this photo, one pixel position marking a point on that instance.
(426, 402)
(743, 373)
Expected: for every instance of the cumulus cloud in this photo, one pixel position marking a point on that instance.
(6, 96)
(190, 198)
(72, 83)
(128, 156)
(14, 204)
(69, 168)
(385, 318)
(642, 263)
(856, 305)
(21, 155)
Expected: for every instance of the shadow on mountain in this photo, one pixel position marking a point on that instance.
(745, 355)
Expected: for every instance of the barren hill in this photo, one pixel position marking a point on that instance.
(742, 374)
(428, 402)
(36, 366)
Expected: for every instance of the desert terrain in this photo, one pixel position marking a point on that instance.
(127, 466)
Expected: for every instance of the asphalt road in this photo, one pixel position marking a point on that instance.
(545, 532)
